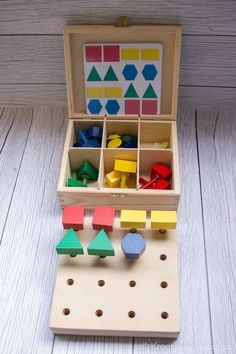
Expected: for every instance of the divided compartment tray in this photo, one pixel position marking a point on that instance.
(148, 132)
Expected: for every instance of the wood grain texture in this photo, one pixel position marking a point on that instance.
(216, 132)
(195, 334)
(40, 60)
(204, 17)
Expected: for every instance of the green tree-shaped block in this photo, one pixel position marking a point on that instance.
(101, 245)
(70, 244)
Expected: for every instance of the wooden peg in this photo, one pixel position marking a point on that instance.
(70, 244)
(133, 245)
(101, 245)
(125, 167)
(73, 217)
(133, 219)
(103, 218)
(163, 220)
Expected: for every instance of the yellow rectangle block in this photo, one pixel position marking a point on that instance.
(164, 220)
(113, 92)
(95, 92)
(150, 54)
(130, 54)
(133, 219)
(125, 166)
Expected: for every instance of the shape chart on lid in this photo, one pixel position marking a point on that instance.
(124, 79)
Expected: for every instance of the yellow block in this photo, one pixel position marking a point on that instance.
(125, 166)
(150, 54)
(113, 92)
(130, 54)
(163, 220)
(113, 179)
(133, 219)
(95, 92)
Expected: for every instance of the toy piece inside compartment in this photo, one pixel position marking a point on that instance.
(146, 154)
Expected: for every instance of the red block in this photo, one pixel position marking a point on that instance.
(93, 53)
(111, 53)
(73, 217)
(161, 170)
(132, 106)
(161, 184)
(149, 107)
(103, 218)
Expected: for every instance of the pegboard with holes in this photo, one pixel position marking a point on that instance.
(117, 296)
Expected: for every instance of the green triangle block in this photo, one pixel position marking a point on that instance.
(94, 75)
(70, 244)
(101, 245)
(110, 75)
(150, 93)
(131, 92)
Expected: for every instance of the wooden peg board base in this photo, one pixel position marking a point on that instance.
(116, 300)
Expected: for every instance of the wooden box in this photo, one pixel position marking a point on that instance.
(149, 129)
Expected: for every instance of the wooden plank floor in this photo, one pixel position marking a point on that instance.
(31, 142)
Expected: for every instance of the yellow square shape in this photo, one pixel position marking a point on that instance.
(150, 54)
(133, 219)
(130, 54)
(125, 166)
(163, 220)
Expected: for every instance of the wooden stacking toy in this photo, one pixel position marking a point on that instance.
(87, 172)
(91, 138)
(133, 219)
(160, 178)
(128, 141)
(101, 245)
(133, 245)
(163, 220)
(70, 244)
(103, 218)
(125, 167)
(73, 217)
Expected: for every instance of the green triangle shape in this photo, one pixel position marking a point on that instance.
(110, 75)
(94, 75)
(70, 244)
(101, 245)
(150, 93)
(131, 92)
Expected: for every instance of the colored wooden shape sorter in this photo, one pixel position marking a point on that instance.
(128, 73)
(163, 220)
(133, 219)
(161, 170)
(103, 218)
(73, 217)
(113, 179)
(133, 245)
(101, 245)
(70, 244)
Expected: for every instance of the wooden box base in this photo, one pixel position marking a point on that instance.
(115, 296)
(148, 132)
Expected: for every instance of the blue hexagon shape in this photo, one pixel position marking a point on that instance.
(130, 72)
(94, 106)
(133, 245)
(149, 72)
(112, 107)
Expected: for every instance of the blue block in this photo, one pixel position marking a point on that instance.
(82, 136)
(78, 143)
(94, 132)
(130, 72)
(149, 72)
(92, 143)
(133, 245)
(112, 107)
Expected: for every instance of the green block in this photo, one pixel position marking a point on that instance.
(150, 93)
(110, 75)
(131, 92)
(87, 171)
(72, 183)
(101, 245)
(94, 75)
(73, 176)
(70, 244)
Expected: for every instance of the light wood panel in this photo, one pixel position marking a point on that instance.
(205, 17)
(216, 131)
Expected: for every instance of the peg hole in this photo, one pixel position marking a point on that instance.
(66, 311)
(99, 313)
(164, 315)
(164, 284)
(132, 283)
(101, 282)
(163, 257)
(70, 281)
(133, 230)
(72, 255)
(131, 314)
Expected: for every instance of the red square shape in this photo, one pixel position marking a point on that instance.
(93, 53)
(103, 218)
(132, 106)
(111, 52)
(149, 106)
(73, 217)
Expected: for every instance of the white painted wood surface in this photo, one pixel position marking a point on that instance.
(31, 141)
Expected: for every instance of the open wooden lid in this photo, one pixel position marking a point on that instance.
(76, 36)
